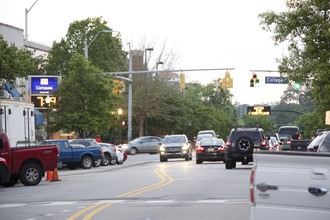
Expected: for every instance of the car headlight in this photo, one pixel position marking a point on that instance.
(185, 147)
(162, 148)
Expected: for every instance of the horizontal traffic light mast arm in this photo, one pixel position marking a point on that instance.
(275, 71)
(167, 71)
(123, 78)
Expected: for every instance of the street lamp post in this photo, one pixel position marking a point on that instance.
(48, 100)
(145, 90)
(26, 24)
(120, 113)
(88, 45)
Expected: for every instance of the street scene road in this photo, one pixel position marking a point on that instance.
(141, 188)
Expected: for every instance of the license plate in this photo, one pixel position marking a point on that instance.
(210, 150)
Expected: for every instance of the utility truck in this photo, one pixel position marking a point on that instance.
(17, 119)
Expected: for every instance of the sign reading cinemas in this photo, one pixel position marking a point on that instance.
(258, 110)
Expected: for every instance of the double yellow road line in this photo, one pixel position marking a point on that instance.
(165, 180)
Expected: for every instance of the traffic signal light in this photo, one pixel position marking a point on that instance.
(123, 123)
(119, 85)
(227, 82)
(251, 82)
(256, 83)
(297, 85)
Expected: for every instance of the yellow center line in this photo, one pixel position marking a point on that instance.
(160, 172)
(83, 211)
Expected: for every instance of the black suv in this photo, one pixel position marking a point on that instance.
(243, 140)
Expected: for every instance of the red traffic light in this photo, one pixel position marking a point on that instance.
(123, 123)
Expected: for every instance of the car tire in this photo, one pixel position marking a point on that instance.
(87, 162)
(233, 164)
(199, 161)
(187, 158)
(244, 144)
(190, 157)
(113, 161)
(105, 160)
(12, 181)
(97, 163)
(120, 162)
(72, 166)
(229, 164)
(31, 174)
(133, 151)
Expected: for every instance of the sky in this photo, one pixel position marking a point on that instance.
(204, 34)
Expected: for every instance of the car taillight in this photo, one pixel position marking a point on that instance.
(252, 186)
(270, 148)
(288, 142)
(221, 148)
(115, 148)
(228, 143)
(199, 148)
(101, 150)
(119, 149)
(4, 161)
(263, 143)
(299, 137)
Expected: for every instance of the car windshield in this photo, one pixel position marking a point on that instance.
(174, 139)
(285, 138)
(201, 136)
(211, 142)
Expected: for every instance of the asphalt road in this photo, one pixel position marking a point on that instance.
(141, 189)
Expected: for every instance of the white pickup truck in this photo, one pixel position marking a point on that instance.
(290, 185)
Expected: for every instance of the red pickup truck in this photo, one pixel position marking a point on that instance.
(27, 164)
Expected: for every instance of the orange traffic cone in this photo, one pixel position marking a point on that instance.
(55, 175)
(49, 175)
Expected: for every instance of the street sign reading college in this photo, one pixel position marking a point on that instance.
(276, 80)
(258, 110)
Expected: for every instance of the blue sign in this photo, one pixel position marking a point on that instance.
(276, 80)
(43, 85)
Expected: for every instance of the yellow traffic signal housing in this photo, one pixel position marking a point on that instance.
(182, 81)
(118, 89)
(252, 82)
(230, 83)
(224, 84)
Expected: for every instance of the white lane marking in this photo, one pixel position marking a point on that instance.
(14, 205)
(67, 210)
(50, 214)
(115, 201)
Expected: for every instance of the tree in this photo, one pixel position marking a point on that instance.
(105, 52)
(86, 98)
(306, 26)
(266, 123)
(14, 63)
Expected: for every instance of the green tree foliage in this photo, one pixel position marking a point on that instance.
(306, 27)
(105, 51)
(14, 63)
(265, 122)
(309, 123)
(85, 98)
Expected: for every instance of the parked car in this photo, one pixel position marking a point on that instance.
(147, 144)
(321, 143)
(285, 142)
(109, 154)
(175, 146)
(210, 149)
(290, 130)
(90, 143)
(27, 164)
(123, 147)
(75, 154)
(242, 142)
(4, 171)
(120, 155)
(273, 144)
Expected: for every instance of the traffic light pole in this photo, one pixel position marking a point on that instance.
(130, 72)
